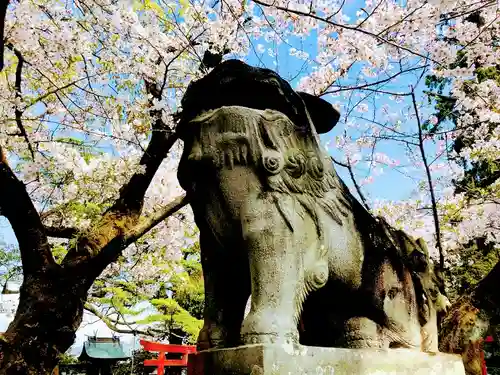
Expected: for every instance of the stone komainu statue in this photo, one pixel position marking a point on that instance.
(278, 223)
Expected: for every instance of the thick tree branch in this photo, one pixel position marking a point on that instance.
(111, 251)
(53, 211)
(17, 207)
(3, 13)
(124, 214)
(429, 182)
(161, 215)
(18, 113)
(114, 326)
(60, 232)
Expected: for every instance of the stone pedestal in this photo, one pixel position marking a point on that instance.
(302, 360)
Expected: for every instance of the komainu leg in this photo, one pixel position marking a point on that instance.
(361, 332)
(227, 287)
(277, 275)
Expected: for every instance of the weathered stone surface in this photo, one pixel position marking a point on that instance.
(300, 360)
(277, 223)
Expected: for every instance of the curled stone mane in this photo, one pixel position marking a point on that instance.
(267, 140)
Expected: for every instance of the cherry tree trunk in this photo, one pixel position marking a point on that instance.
(49, 313)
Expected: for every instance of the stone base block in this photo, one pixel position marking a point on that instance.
(306, 360)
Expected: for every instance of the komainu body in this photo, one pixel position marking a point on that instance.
(277, 223)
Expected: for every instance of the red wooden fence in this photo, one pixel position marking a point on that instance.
(161, 362)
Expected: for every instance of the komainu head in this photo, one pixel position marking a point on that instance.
(247, 116)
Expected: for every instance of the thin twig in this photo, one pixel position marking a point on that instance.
(114, 327)
(429, 181)
(353, 178)
(347, 27)
(364, 86)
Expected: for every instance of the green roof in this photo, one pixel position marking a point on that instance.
(103, 350)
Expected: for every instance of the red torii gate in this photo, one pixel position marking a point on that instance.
(483, 362)
(161, 362)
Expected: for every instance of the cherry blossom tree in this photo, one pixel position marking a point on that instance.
(89, 93)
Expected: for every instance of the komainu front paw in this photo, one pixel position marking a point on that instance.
(361, 333)
(268, 328)
(210, 337)
(270, 338)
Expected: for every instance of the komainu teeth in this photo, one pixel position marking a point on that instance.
(237, 156)
(230, 159)
(244, 153)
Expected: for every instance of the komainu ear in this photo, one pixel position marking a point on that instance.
(323, 114)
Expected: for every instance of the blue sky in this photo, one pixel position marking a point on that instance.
(391, 185)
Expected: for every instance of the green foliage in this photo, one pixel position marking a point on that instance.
(87, 209)
(87, 151)
(67, 359)
(177, 302)
(490, 72)
(187, 287)
(188, 291)
(59, 252)
(478, 177)
(190, 296)
(478, 174)
(437, 84)
(120, 295)
(10, 263)
(477, 259)
(175, 317)
(184, 308)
